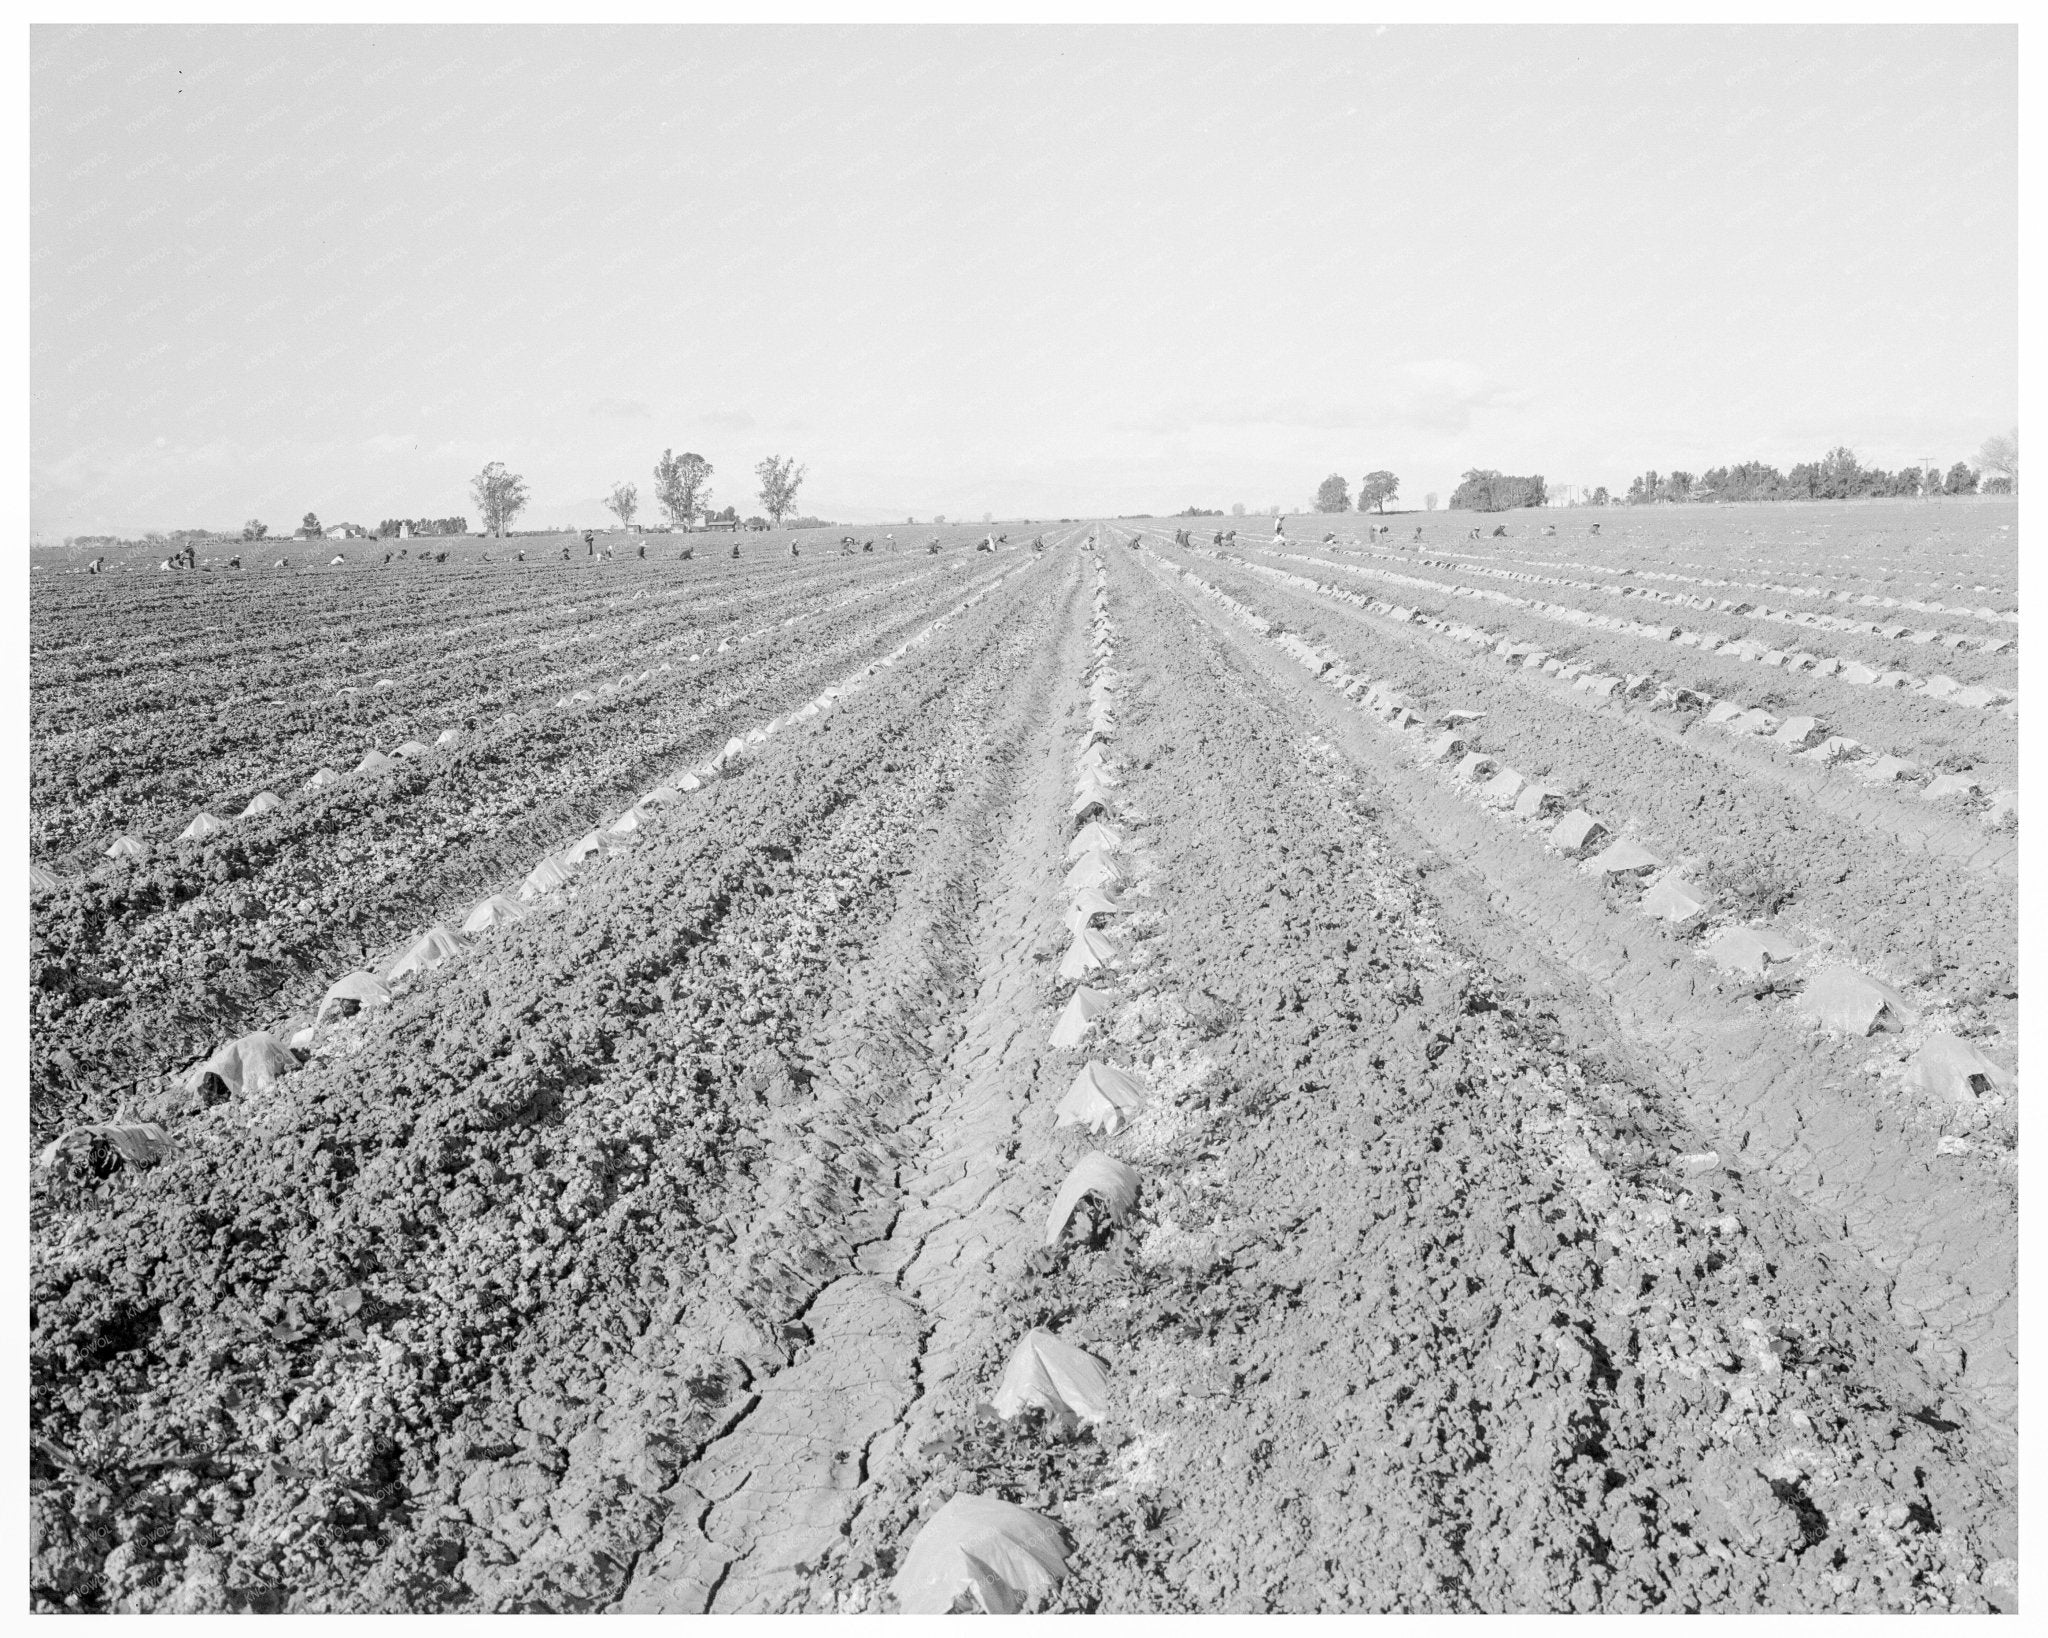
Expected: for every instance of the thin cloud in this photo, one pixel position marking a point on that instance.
(621, 409)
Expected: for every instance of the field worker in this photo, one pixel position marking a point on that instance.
(643, 550)
(565, 554)
(387, 560)
(735, 549)
(589, 544)
(522, 554)
(1596, 528)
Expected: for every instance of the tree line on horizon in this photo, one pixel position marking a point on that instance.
(682, 487)
(1838, 475)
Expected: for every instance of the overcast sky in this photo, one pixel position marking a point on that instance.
(1022, 271)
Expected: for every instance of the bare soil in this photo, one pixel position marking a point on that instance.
(663, 1253)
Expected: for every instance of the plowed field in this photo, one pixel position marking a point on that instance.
(1126, 1077)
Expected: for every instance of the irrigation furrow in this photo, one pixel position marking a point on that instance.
(585, 1184)
(759, 1520)
(154, 969)
(1934, 1226)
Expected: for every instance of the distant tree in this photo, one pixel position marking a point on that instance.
(1836, 476)
(1237, 509)
(780, 479)
(309, 525)
(1746, 481)
(1839, 472)
(1484, 490)
(623, 502)
(1429, 501)
(1375, 489)
(1677, 487)
(255, 529)
(500, 497)
(2000, 459)
(1960, 480)
(682, 484)
(1600, 497)
(1333, 494)
(938, 517)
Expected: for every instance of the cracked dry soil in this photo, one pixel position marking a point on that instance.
(663, 1255)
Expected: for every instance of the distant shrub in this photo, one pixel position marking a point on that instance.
(1484, 490)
